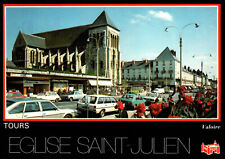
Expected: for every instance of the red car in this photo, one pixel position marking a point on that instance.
(14, 95)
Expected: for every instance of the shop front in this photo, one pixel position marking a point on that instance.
(35, 86)
(105, 86)
(59, 85)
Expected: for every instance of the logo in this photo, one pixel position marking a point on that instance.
(211, 148)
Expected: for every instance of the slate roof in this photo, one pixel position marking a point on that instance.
(33, 40)
(64, 37)
(166, 55)
(137, 65)
(103, 20)
(10, 64)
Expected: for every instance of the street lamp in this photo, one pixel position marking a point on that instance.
(97, 40)
(180, 37)
(149, 76)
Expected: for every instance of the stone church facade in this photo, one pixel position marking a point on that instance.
(73, 49)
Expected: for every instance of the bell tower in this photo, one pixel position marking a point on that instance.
(103, 35)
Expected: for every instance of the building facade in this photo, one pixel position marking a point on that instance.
(137, 74)
(164, 72)
(73, 50)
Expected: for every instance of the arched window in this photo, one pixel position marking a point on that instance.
(32, 56)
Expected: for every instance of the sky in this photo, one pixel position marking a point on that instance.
(142, 29)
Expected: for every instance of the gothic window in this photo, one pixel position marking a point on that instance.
(101, 64)
(139, 77)
(93, 64)
(156, 63)
(111, 40)
(56, 63)
(163, 63)
(32, 56)
(102, 39)
(83, 60)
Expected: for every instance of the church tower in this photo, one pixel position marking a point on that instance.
(104, 35)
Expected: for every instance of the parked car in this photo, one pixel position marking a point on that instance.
(16, 94)
(97, 104)
(169, 91)
(132, 100)
(28, 108)
(52, 96)
(159, 90)
(195, 90)
(151, 98)
(76, 95)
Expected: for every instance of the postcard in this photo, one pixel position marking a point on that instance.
(112, 80)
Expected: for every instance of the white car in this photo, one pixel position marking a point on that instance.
(151, 98)
(76, 95)
(28, 108)
(97, 104)
(158, 90)
(52, 96)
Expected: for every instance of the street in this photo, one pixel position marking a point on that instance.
(73, 105)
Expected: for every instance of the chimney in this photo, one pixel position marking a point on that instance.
(145, 61)
(173, 52)
(189, 68)
(122, 63)
(133, 62)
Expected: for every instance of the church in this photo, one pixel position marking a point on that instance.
(73, 49)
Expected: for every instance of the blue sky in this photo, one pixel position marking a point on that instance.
(142, 34)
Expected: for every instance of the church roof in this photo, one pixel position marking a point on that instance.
(32, 40)
(103, 20)
(166, 54)
(64, 37)
(10, 64)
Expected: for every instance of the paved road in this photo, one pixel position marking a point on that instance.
(73, 104)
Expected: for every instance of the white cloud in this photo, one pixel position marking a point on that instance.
(144, 17)
(151, 13)
(161, 15)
